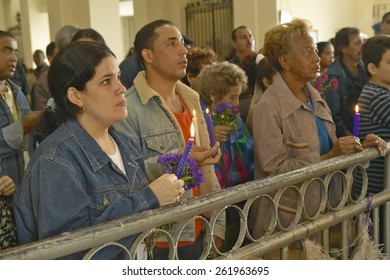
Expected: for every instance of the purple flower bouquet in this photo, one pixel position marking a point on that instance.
(226, 114)
(192, 175)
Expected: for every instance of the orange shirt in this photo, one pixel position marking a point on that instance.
(185, 119)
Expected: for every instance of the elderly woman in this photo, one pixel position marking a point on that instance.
(293, 125)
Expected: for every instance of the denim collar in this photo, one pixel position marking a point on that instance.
(94, 153)
(14, 88)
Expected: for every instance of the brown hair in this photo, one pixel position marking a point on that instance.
(197, 57)
(217, 78)
(147, 35)
(277, 41)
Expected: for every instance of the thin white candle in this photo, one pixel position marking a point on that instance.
(196, 128)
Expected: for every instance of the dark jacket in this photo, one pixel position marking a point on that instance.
(342, 101)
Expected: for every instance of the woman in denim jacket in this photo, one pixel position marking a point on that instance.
(85, 173)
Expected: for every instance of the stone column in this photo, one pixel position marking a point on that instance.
(35, 29)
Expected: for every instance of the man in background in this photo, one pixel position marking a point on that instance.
(243, 54)
(243, 45)
(39, 60)
(16, 118)
(349, 71)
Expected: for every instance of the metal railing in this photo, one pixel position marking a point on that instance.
(106, 234)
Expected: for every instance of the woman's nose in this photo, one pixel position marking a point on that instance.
(121, 88)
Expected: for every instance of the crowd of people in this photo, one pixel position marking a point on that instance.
(95, 129)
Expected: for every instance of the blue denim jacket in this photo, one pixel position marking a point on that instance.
(11, 136)
(342, 101)
(71, 183)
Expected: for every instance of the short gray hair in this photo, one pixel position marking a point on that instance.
(64, 35)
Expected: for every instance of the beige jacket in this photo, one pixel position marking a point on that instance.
(285, 138)
(285, 131)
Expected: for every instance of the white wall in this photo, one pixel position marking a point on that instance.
(148, 10)
(104, 18)
(35, 28)
(2, 19)
(11, 7)
(327, 17)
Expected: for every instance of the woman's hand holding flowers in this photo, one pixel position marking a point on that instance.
(221, 132)
(226, 114)
(167, 188)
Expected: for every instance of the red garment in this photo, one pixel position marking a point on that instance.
(185, 119)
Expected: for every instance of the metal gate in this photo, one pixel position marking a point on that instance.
(210, 24)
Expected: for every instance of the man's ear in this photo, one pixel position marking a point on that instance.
(73, 96)
(147, 55)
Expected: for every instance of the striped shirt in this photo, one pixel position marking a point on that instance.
(374, 105)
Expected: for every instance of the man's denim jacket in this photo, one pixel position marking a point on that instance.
(12, 136)
(155, 129)
(71, 183)
(342, 100)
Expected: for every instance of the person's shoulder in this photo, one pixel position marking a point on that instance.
(44, 68)
(335, 68)
(266, 102)
(131, 62)
(52, 147)
(373, 87)
(373, 90)
(132, 96)
(269, 95)
(43, 78)
(14, 87)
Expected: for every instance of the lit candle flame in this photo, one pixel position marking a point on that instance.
(192, 130)
(194, 113)
(357, 108)
(207, 110)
